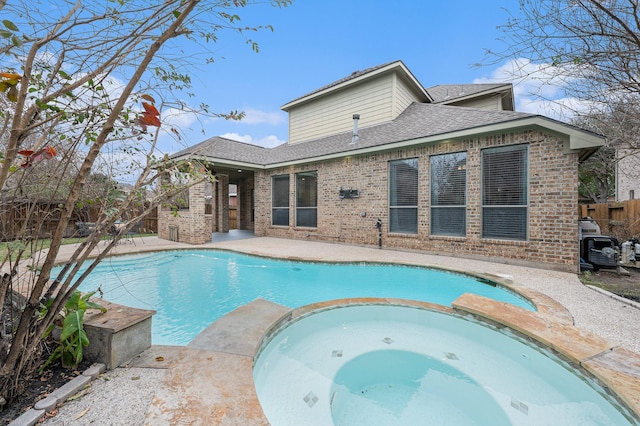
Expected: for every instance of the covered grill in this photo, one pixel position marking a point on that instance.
(596, 249)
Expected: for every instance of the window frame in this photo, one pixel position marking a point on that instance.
(508, 210)
(397, 209)
(441, 209)
(275, 196)
(306, 215)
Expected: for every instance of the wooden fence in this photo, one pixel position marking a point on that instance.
(616, 219)
(42, 218)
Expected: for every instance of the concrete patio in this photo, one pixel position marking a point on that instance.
(210, 380)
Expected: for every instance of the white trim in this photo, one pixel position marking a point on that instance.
(577, 139)
(222, 162)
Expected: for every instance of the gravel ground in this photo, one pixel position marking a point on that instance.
(615, 320)
(119, 397)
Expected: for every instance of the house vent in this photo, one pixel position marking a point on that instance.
(354, 136)
(173, 233)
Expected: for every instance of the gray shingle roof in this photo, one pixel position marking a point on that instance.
(227, 149)
(448, 92)
(419, 120)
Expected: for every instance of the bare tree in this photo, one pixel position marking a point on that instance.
(621, 124)
(591, 50)
(590, 47)
(80, 80)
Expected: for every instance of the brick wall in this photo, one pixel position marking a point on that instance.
(192, 225)
(553, 200)
(245, 201)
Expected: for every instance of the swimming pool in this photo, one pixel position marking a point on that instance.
(191, 289)
(397, 365)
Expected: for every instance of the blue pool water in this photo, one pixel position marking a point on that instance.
(191, 289)
(386, 365)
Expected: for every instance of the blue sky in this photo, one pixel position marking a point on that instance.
(316, 42)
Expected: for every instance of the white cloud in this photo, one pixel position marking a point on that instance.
(256, 116)
(538, 88)
(178, 118)
(267, 142)
(193, 128)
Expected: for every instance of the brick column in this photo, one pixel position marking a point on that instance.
(198, 231)
(222, 202)
(165, 219)
(245, 196)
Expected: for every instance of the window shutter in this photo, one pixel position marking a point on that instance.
(280, 200)
(403, 196)
(505, 192)
(307, 199)
(449, 194)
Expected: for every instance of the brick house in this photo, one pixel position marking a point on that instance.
(450, 169)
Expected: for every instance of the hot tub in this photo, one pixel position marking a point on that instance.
(401, 365)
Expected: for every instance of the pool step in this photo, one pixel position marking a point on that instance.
(211, 379)
(240, 331)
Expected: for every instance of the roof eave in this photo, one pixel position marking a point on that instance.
(220, 162)
(576, 140)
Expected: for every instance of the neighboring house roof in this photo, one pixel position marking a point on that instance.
(419, 123)
(362, 75)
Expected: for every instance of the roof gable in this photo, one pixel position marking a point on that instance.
(459, 93)
(359, 76)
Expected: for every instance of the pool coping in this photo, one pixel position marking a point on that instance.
(217, 383)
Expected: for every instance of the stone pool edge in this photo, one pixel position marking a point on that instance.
(214, 381)
(616, 368)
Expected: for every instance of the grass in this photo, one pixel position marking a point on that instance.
(628, 287)
(587, 278)
(11, 248)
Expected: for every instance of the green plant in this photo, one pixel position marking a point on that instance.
(586, 278)
(73, 337)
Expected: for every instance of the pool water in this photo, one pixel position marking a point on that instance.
(191, 289)
(395, 365)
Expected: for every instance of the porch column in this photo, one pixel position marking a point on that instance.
(222, 202)
(197, 230)
(168, 224)
(245, 202)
